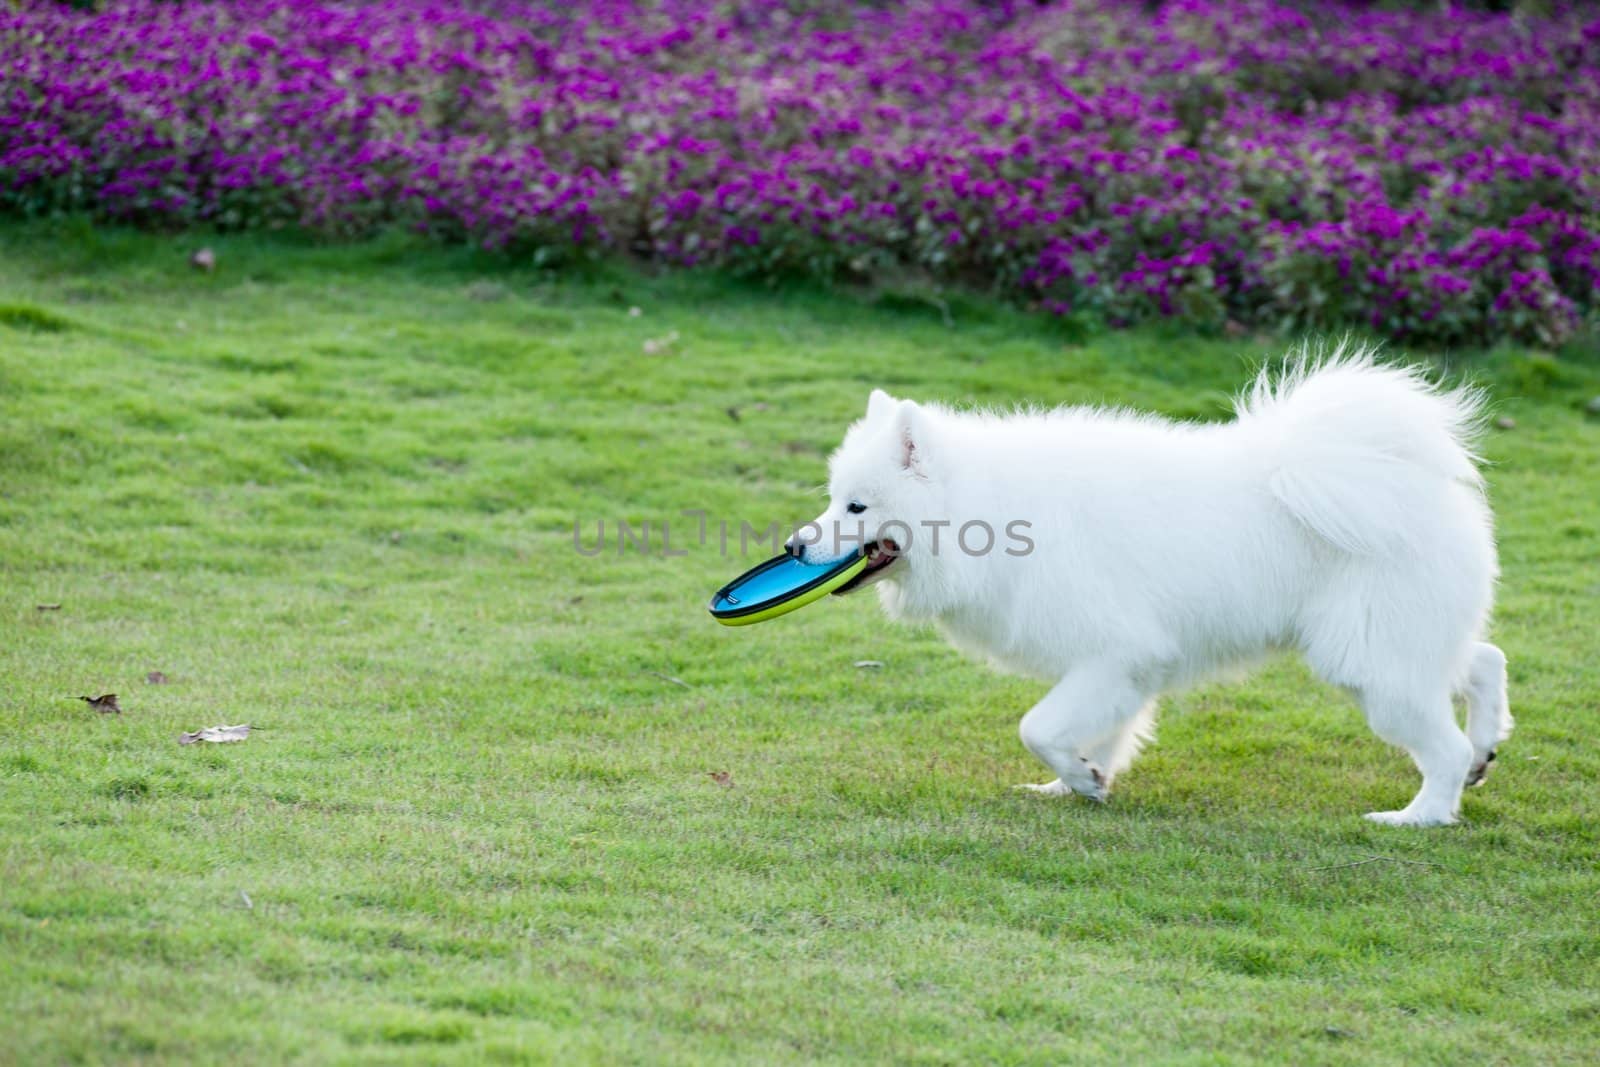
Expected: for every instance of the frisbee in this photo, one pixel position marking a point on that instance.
(779, 586)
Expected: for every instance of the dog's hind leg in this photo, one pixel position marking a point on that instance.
(1488, 711)
(1081, 722)
(1426, 728)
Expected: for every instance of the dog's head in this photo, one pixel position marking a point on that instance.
(882, 490)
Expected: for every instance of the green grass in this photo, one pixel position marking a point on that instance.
(330, 492)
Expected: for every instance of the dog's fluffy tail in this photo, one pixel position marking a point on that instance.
(1352, 445)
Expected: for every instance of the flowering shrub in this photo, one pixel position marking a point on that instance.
(1427, 174)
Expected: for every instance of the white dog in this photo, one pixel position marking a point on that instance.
(1122, 555)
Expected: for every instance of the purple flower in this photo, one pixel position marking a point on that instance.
(1431, 171)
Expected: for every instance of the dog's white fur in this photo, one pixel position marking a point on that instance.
(1341, 514)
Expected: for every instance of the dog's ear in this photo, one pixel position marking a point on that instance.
(911, 437)
(879, 405)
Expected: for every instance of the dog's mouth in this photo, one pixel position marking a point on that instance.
(881, 555)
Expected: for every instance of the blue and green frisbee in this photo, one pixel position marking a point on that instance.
(781, 585)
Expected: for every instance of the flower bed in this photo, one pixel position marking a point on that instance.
(1428, 175)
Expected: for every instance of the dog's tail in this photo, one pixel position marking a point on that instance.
(1353, 445)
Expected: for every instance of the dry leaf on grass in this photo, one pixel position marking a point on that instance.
(868, 664)
(216, 734)
(47, 607)
(657, 346)
(105, 704)
(156, 678)
(722, 778)
(485, 291)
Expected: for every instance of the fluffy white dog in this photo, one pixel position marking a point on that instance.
(1121, 555)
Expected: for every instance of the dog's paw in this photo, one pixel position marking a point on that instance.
(1407, 817)
(1480, 771)
(1056, 788)
(1088, 780)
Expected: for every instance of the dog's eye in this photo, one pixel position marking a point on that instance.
(855, 507)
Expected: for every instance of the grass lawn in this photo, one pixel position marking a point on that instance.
(506, 803)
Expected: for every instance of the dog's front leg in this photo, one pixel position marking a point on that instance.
(1091, 704)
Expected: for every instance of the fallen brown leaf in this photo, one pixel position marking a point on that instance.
(722, 778)
(156, 678)
(216, 734)
(486, 291)
(47, 607)
(105, 704)
(657, 346)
